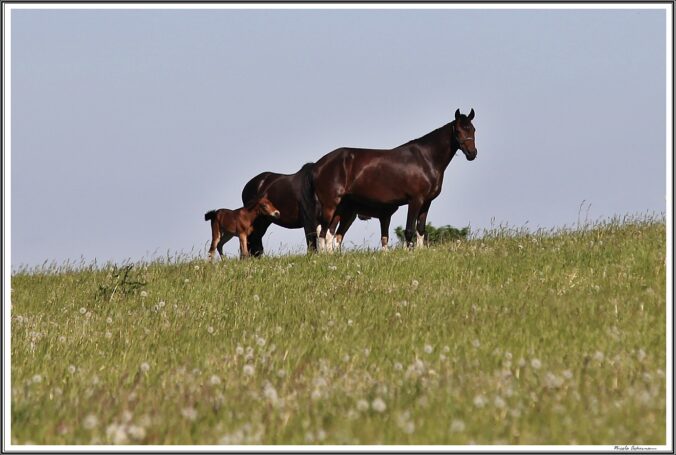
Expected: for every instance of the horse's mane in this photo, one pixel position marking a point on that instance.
(429, 136)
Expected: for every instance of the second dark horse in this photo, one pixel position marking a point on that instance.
(286, 192)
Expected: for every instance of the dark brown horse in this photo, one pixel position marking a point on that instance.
(285, 192)
(411, 174)
(225, 224)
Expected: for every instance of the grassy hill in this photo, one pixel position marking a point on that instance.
(514, 338)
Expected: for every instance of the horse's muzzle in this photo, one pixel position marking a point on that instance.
(470, 154)
(275, 214)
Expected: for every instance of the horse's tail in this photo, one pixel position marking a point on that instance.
(309, 204)
(210, 215)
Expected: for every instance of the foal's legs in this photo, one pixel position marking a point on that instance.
(224, 238)
(243, 251)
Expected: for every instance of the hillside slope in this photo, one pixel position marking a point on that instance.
(509, 339)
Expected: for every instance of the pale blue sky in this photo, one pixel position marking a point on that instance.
(128, 125)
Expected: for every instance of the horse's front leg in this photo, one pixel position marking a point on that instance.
(243, 250)
(421, 232)
(411, 218)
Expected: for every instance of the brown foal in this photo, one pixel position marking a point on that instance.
(225, 224)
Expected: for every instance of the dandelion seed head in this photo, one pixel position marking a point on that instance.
(428, 349)
(71, 369)
(37, 379)
(90, 422)
(457, 426)
(189, 413)
(144, 294)
(248, 370)
(145, 367)
(362, 405)
(214, 380)
(210, 329)
(479, 401)
(476, 343)
(378, 405)
(535, 363)
(256, 298)
(136, 432)
(83, 310)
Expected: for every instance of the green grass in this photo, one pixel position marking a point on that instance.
(518, 338)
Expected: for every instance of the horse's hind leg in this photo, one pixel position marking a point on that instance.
(345, 223)
(221, 242)
(385, 231)
(215, 239)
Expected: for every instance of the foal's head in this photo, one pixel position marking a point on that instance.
(463, 133)
(265, 207)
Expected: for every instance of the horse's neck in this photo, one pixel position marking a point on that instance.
(440, 145)
(247, 215)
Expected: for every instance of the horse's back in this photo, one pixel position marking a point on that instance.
(376, 176)
(257, 185)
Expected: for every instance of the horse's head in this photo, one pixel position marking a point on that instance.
(463, 133)
(265, 207)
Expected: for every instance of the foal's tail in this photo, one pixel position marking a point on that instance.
(309, 205)
(210, 215)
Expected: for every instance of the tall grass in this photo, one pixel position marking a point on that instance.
(510, 338)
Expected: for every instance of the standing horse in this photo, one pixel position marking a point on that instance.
(411, 174)
(285, 192)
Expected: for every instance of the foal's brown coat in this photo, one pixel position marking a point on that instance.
(226, 224)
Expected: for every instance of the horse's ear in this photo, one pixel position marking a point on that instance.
(471, 114)
(457, 114)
